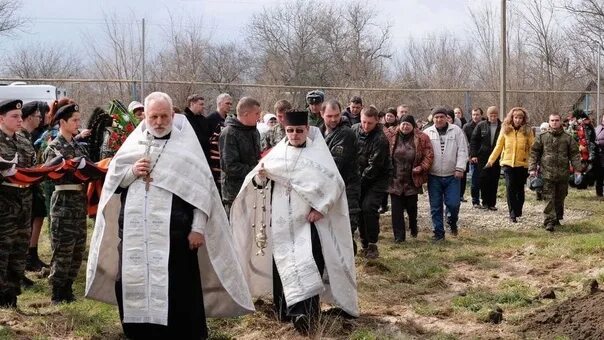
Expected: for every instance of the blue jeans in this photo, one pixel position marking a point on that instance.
(443, 190)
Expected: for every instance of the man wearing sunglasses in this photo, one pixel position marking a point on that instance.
(297, 195)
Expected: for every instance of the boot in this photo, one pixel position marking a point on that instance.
(372, 251)
(31, 262)
(61, 294)
(69, 292)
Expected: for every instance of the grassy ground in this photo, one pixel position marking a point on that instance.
(414, 290)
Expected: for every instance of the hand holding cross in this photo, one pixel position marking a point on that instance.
(142, 166)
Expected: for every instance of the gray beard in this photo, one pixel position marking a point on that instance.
(160, 135)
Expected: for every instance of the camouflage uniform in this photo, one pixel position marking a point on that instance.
(553, 150)
(15, 219)
(67, 223)
(273, 136)
(314, 120)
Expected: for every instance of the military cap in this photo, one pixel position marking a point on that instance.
(9, 105)
(315, 97)
(296, 118)
(65, 110)
(29, 109)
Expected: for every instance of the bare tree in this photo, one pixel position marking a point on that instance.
(43, 61)
(9, 20)
(118, 55)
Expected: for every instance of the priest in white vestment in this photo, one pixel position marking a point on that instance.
(161, 247)
(292, 231)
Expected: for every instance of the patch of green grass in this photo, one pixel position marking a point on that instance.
(443, 336)
(6, 333)
(511, 294)
(91, 318)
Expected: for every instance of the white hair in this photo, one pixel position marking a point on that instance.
(157, 97)
(221, 97)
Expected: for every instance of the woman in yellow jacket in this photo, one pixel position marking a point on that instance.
(514, 145)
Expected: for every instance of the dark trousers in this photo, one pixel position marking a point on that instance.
(369, 223)
(554, 192)
(489, 182)
(186, 314)
(599, 172)
(515, 178)
(463, 182)
(310, 307)
(399, 205)
(476, 171)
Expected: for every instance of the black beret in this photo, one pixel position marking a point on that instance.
(29, 109)
(65, 110)
(439, 110)
(9, 105)
(296, 118)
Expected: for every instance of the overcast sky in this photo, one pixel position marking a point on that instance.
(65, 21)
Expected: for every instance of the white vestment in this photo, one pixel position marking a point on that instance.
(315, 182)
(182, 170)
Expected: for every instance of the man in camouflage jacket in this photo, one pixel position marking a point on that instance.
(553, 150)
(15, 202)
(67, 208)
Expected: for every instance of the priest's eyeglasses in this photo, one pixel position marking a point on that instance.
(292, 130)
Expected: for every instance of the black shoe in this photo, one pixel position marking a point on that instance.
(549, 227)
(477, 206)
(557, 222)
(438, 239)
(398, 240)
(31, 263)
(463, 199)
(302, 324)
(513, 219)
(454, 231)
(383, 209)
(62, 294)
(492, 208)
(414, 234)
(8, 301)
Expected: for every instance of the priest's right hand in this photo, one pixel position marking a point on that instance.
(141, 167)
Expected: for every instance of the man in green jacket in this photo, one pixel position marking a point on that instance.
(552, 151)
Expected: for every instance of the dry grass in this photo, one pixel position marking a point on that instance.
(414, 290)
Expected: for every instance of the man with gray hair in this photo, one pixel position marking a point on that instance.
(161, 246)
(216, 119)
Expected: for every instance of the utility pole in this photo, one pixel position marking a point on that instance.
(598, 87)
(503, 66)
(143, 62)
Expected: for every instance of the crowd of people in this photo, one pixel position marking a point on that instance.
(200, 213)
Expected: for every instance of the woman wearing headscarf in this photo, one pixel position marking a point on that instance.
(412, 156)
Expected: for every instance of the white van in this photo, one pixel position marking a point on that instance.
(28, 93)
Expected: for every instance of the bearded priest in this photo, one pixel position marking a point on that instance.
(293, 205)
(161, 247)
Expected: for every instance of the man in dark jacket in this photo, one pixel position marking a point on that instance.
(216, 119)
(353, 111)
(468, 128)
(239, 148)
(344, 148)
(375, 169)
(553, 150)
(194, 114)
(482, 143)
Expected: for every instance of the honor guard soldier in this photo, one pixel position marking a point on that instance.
(16, 151)
(67, 206)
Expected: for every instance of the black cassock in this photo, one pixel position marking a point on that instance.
(186, 315)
